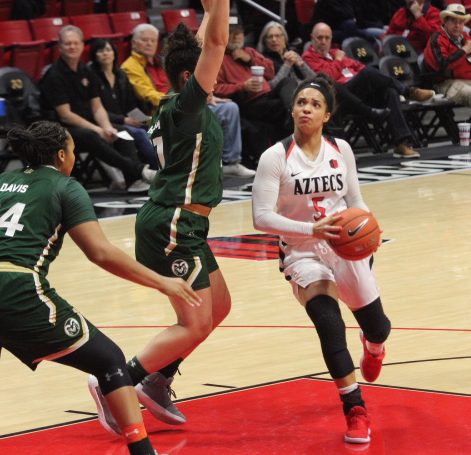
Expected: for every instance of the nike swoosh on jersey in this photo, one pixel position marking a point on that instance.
(294, 174)
(352, 232)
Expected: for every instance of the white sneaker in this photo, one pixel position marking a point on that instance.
(105, 417)
(148, 174)
(237, 170)
(139, 186)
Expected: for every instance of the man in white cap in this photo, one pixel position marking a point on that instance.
(448, 55)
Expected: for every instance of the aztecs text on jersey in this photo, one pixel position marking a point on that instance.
(312, 189)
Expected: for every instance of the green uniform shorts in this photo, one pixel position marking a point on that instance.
(35, 322)
(173, 242)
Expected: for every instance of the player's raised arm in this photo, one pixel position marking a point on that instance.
(214, 33)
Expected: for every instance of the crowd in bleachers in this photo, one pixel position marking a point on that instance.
(386, 58)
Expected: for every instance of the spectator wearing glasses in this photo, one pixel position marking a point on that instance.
(146, 73)
(291, 69)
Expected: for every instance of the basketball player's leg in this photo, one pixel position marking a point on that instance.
(178, 340)
(154, 367)
(375, 328)
(359, 290)
(320, 301)
(103, 359)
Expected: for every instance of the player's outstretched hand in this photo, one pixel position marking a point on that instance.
(176, 287)
(325, 228)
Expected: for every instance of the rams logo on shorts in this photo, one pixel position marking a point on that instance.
(180, 267)
(71, 327)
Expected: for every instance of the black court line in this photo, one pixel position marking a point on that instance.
(221, 386)
(71, 411)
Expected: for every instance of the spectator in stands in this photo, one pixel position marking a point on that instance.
(118, 97)
(70, 89)
(340, 16)
(254, 20)
(416, 21)
(448, 55)
(291, 69)
(367, 83)
(144, 67)
(146, 73)
(255, 98)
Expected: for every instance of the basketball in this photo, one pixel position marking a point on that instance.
(360, 236)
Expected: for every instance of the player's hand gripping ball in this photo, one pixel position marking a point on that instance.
(360, 236)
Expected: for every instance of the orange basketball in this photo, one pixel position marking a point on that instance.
(360, 236)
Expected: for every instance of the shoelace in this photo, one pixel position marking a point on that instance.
(171, 392)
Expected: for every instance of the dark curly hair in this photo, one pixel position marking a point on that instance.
(181, 54)
(38, 144)
(323, 83)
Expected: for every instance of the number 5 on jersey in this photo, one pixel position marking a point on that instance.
(320, 211)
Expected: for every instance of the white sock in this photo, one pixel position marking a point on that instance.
(350, 388)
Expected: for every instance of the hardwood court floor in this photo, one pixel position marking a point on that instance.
(425, 278)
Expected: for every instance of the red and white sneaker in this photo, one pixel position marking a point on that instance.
(358, 426)
(370, 365)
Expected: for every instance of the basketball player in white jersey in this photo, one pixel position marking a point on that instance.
(301, 184)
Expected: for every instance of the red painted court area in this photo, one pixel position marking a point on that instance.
(296, 417)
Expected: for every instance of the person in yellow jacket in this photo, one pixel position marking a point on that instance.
(145, 72)
(144, 67)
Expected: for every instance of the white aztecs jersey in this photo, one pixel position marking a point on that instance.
(312, 189)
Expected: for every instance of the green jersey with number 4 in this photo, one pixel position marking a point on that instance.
(37, 208)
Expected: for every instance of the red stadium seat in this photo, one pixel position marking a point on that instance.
(47, 29)
(172, 17)
(20, 49)
(53, 8)
(98, 26)
(125, 22)
(304, 10)
(77, 7)
(127, 5)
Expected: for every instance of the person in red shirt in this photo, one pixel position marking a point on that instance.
(145, 71)
(416, 21)
(256, 100)
(447, 55)
(367, 83)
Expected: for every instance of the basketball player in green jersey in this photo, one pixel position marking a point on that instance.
(38, 206)
(172, 227)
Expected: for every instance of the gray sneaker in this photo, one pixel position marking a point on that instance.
(104, 414)
(237, 170)
(139, 186)
(154, 393)
(148, 174)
